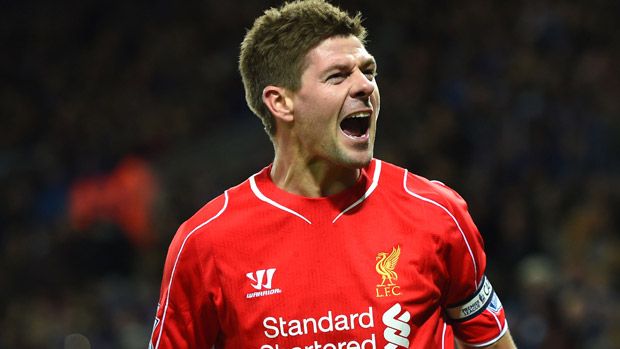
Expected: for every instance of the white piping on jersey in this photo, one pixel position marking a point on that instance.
(486, 344)
(443, 336)
(262, 197)
(471, 254)
(496, 320)
(371, 188)
(163, 317)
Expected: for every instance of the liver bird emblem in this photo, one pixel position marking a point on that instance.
(386, 264)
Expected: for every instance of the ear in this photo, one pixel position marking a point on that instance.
(279, 102)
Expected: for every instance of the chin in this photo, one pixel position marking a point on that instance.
(358, 161)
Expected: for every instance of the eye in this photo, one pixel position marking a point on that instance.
(371, 74)
(337, 78)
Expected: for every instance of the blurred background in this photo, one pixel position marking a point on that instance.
(119, 119)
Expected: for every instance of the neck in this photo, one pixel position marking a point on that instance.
(311, 178)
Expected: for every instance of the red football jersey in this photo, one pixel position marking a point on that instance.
(394, 261)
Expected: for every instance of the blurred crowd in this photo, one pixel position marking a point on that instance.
(119, 119)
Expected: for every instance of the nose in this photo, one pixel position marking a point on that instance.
(362, 86)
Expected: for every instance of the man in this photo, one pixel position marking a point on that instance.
(326, 247)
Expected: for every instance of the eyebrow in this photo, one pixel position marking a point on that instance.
(370, 61)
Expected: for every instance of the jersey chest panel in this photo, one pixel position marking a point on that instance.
(370, 279)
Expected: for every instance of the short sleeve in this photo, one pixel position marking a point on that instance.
(471, 305)
(186, 315)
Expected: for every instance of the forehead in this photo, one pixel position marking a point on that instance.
(338, 50)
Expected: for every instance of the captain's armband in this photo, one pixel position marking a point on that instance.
(483, 298)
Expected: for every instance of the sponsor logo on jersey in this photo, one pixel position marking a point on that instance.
(386, 263)
(307, 332)
(310, 329)
(262, 280)
(397, 331)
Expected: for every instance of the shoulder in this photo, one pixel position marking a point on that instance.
(215, 217)
(419, 188)
(207, 213)
(435, 191)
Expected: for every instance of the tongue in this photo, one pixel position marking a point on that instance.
(354, 127)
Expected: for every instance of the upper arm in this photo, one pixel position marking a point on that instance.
(186, 313)
(472, 306)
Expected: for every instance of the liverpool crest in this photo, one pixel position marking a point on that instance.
(386, 263)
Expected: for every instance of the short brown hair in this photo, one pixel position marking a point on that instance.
(273, 51)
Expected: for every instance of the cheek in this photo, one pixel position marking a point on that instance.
(313, 123)
(325, 109)
(330, 102)
(318, 108)
(376, 97)
(315, 100)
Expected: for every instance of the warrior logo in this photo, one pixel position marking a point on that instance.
(398, 329)
(264, 289)
(259, 278)
(386, 263)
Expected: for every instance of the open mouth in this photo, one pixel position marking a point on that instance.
(356, 125)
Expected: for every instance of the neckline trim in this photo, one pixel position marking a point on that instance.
(371, 188)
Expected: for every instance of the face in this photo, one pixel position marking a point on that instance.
(336, 108)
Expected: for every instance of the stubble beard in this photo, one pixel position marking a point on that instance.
(358, 159)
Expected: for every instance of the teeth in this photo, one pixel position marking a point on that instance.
(359, 115)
